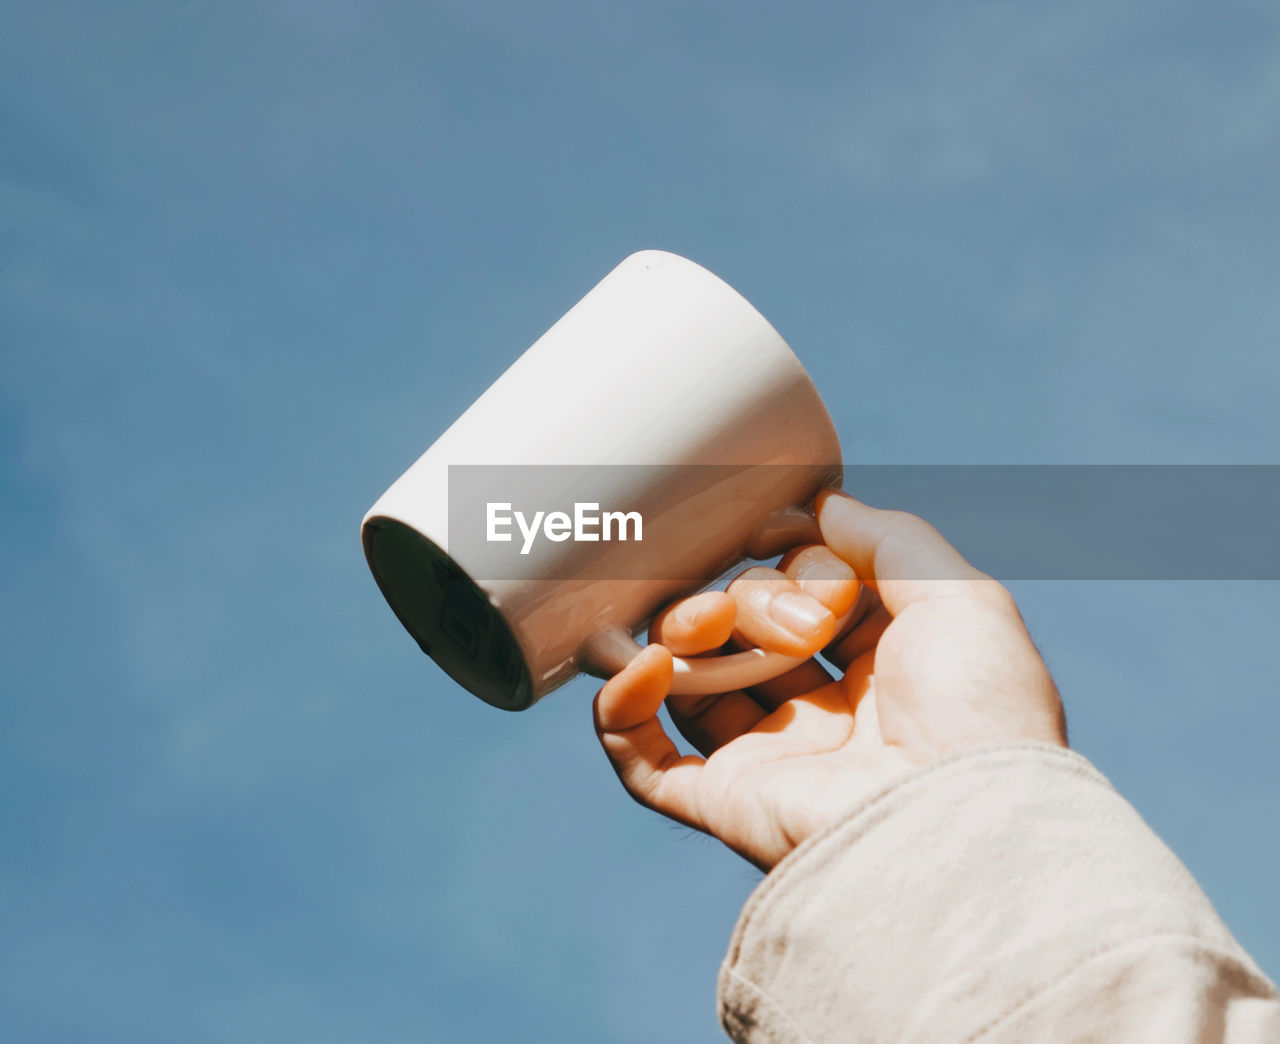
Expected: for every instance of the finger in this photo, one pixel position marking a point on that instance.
(856, 685)
(646, 761)
(862, 639)
(868, 603)
(709, 722)
(798, 681)
(821, 573)
(695, 625)
(816, 722)
(905, 557)
(811, 674)
(776, 615)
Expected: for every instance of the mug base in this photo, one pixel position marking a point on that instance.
(447, 613)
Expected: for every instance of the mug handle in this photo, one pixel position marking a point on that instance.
(605, 653)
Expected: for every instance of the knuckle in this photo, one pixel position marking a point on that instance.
(911, 527)
(895, 518)
(993, 591)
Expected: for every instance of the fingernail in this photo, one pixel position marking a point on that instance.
(798, 613)
(823, 571)
(830, 582)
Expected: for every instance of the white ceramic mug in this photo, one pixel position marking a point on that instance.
(671, 393)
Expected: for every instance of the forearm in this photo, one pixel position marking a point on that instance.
(1002, 894)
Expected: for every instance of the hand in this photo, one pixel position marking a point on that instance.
(938, 660)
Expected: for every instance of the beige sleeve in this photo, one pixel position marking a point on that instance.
(1004, 894)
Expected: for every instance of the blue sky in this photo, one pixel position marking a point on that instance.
(253, 259)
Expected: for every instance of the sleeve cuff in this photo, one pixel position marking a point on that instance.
(948, 900)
